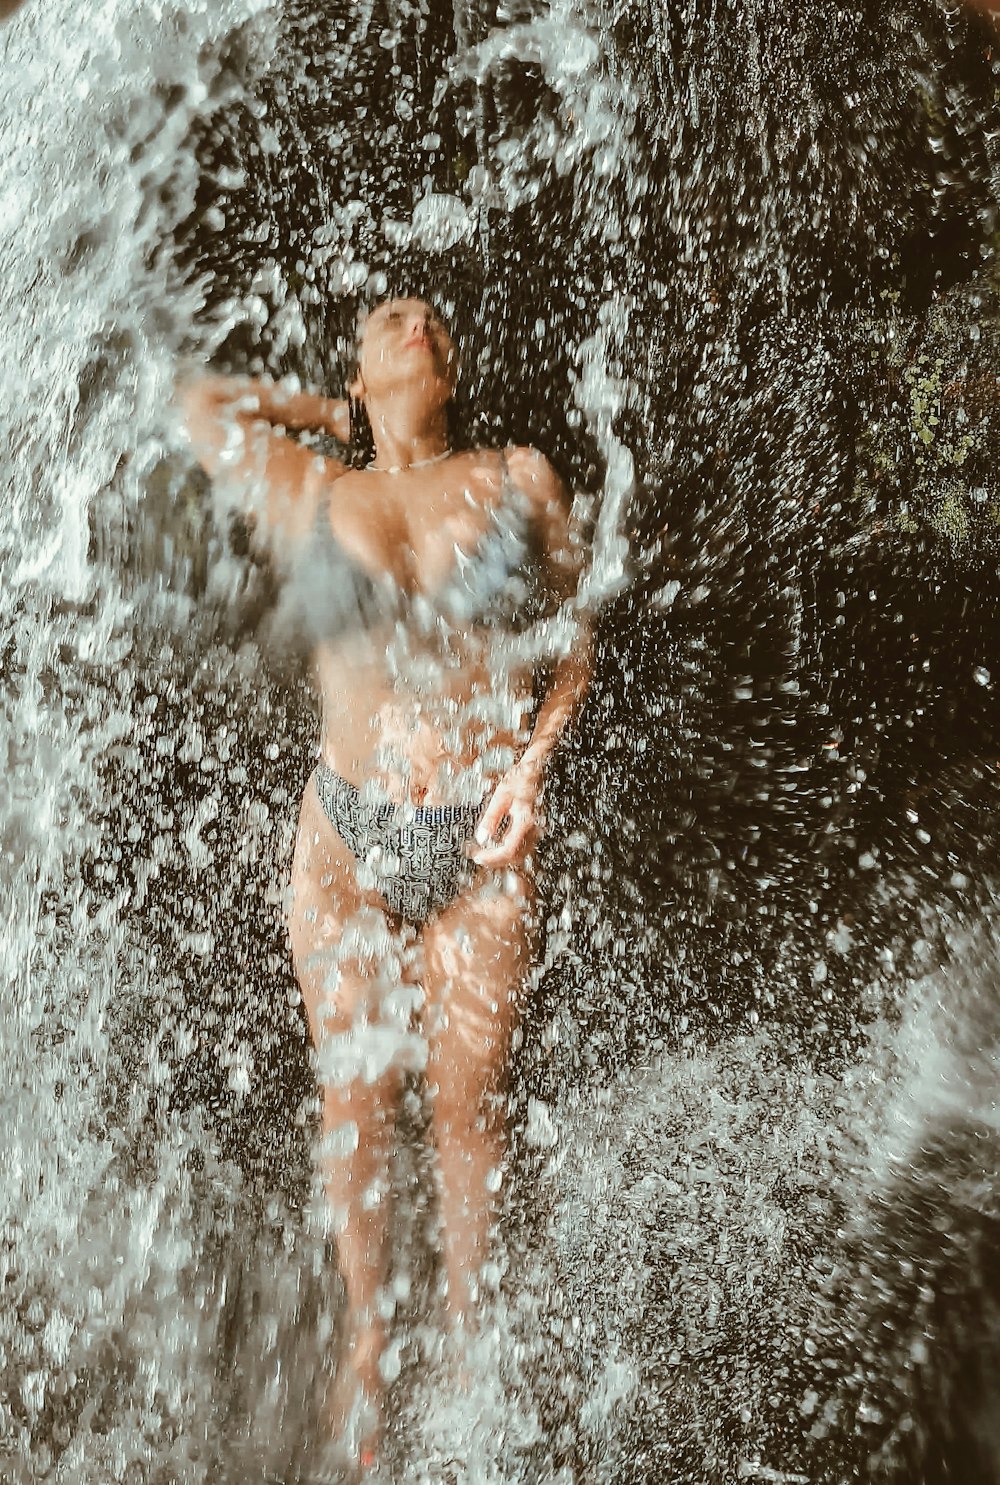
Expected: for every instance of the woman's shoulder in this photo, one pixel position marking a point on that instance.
(354, 480)
(360, 494)
(532, 473)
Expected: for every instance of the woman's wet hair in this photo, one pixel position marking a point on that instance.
(362, 447)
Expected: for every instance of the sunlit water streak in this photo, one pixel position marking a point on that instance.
(683, 1212)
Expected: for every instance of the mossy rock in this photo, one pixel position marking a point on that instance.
(929, 449)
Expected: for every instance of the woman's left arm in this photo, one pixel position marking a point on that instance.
(517, 795)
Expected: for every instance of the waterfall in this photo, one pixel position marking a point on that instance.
(708, 257)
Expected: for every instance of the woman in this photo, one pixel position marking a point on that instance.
(426, 586)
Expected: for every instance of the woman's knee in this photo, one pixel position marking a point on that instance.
(363, 1053)
(470, 1099)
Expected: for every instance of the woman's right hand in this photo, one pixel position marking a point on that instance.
(285, 405)
(338, 419)
(237, 427)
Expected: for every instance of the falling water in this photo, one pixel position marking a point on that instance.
(690, 244)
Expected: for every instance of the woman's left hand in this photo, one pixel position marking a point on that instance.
(515, 800)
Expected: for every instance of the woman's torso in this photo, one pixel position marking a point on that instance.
(413, 589)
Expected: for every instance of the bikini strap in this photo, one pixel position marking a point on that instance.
(513, 500)
(506, 482)
(322, 517)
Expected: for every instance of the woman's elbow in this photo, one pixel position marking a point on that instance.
(216, 437)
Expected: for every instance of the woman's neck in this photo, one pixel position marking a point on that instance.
(405, 435)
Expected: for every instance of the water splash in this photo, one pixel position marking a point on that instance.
(655, 1310)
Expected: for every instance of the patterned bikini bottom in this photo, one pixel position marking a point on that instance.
(417, 854)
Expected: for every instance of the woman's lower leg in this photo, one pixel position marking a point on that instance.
(476, 958)
(470, 1157)
(359, 1130)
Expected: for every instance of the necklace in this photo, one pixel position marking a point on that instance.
(417, 464)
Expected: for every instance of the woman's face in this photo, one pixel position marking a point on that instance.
(404, 345)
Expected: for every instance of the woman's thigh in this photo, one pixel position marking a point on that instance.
(477, 957)
(353, 964)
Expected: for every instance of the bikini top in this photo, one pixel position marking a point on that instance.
(501, 584)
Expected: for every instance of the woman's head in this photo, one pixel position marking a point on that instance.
(405, 349)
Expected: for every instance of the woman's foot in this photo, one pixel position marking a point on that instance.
(368, 1460)
(334, 1468)
(343, 1462)
(357, 1398)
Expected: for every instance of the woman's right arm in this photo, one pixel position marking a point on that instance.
(238, 428)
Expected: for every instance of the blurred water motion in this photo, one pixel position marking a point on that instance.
(733, 269)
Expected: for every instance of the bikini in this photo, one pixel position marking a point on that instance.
(417, 853)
